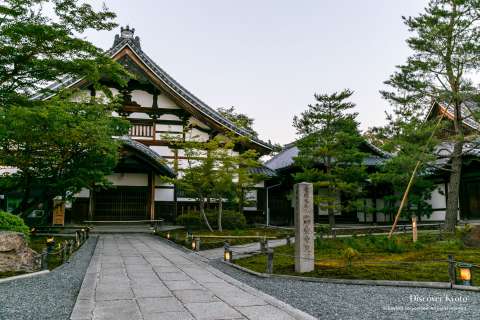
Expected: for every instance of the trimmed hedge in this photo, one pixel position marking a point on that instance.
(12, 222)
(230, 220)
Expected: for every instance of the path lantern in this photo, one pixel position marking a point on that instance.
(50, 241)
(168, 235)
(227, 254)
(465, 273)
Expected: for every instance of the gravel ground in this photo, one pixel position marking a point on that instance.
(49, 296)
(337, 301)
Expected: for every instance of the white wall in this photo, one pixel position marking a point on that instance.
(143, 98)
(438, 200)
(164, 151)
(162, 194)
(129, 179)
(165, 102)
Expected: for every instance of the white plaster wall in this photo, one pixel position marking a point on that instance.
(169, 127)
(81, 96)
(197, 122)
(323, 211)
(114, 91)
(138, 115)
(196, 135)
(261, 184)
(168, 116)
(129, 179)
(143, 98)
(168, 136)
(84, 193)
(165, 102)
(164, 194)
(163, 151)
(438, 200)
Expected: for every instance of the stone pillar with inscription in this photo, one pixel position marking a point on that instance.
(304, 227)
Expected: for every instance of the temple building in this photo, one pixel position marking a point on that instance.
(158, 107)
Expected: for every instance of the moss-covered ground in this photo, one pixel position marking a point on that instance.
(376, 258)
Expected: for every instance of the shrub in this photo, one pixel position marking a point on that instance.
(348, 255)
(12, 222)
(191, 221)
(389, 245)
(230, 219)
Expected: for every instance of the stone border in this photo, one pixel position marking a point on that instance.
(387, 283)
(26, 275)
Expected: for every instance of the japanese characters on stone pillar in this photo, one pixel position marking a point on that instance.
(304, 227)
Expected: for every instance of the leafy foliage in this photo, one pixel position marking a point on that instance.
(64, 143)
(39, 48)
(445, 42)
(58, 146)
(239, 119)
(11, 222)
(329, 151)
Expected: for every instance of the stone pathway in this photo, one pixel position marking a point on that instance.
(138, 276)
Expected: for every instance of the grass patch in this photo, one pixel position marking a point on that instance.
(375, 258)
(179, 236)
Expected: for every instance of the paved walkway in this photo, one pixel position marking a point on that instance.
(140, 277)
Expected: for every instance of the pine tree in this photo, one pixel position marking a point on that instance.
(329, 151)
(445, 44)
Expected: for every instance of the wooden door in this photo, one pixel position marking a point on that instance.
(121, 204)
(470, 199)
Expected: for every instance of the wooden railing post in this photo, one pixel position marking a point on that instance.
(452, 275)
(269, 261)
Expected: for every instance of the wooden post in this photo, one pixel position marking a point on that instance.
(91, 205)
(451, 269)
(151, 195)
(44, 264)
(414, 229)
(269, 261)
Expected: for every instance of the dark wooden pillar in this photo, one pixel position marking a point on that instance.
(91, 205)
(151, 196)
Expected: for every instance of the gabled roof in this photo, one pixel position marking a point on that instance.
(467, 109)
(285, 158)
(157, 161)
(126, 40)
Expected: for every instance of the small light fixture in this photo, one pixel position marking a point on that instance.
(50, 241)
(168, 235)
(465, 273)
(194, 245)
(33, 231)
(227, 255)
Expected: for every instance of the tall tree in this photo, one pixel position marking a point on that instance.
(38, 48)
(329, 151)
(58, 145)
(57, 148)
(445, 44)
(239, 119)
(409, 139)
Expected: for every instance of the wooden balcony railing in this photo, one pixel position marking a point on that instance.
(141, 130)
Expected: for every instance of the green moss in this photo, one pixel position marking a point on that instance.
(178, 236)
(378, 258)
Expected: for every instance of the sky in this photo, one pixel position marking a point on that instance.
(268, 57)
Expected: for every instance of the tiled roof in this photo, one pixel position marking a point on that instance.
(149, 153)
(264, 171)
(285, 158)
(203, 108)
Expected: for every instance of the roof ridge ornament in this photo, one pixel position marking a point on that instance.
(126, 33)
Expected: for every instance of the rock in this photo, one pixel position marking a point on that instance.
(472, 238)
(15, 255)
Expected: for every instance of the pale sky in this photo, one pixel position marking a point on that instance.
(268, 57)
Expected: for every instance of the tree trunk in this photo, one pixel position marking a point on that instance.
(454, 188)
(202, 212)
(331, 215)
(220, 212)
